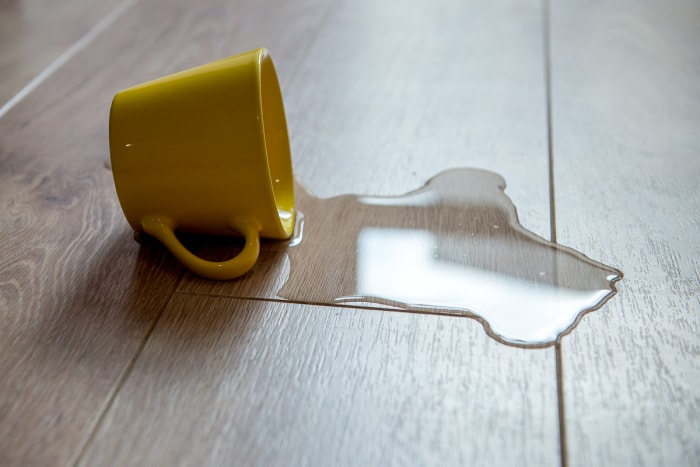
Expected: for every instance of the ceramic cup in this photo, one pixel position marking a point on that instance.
(206, 151)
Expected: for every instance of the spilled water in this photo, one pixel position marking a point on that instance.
(454, 246)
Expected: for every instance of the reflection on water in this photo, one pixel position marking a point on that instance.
(454, 246)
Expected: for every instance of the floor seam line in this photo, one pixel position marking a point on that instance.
(559, 370)
(67, 55)
(107, 407)
(560, 405)
(447, 314)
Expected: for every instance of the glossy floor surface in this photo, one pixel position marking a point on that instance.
(112, 354)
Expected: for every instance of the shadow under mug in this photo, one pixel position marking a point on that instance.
(206, 151)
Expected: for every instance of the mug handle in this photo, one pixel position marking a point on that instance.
(164, 230)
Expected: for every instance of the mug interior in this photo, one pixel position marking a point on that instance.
(277, 143)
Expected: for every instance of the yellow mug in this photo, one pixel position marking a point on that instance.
(206, 151)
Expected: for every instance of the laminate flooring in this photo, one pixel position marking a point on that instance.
(112, 354)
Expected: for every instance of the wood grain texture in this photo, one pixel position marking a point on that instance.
(376, 108)
(77, 294)
(34, 33)
(626, 106)
(233, 382)
(379, 99)
(228, 381)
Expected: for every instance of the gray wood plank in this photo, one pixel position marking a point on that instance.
(77, 295)
(383, 99)
(35, 33)
(387, 98)
(626, 107)
(225, 381)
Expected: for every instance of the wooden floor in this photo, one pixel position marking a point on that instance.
(112, 354)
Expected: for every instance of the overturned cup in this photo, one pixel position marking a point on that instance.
(206, 151)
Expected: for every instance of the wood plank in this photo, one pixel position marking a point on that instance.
(376, 108)
(34, 33)
(226, 381)
(281, 383)
(78, 295)
(73, 319)
(626, 106)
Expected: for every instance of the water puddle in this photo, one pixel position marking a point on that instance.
(454, 247)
